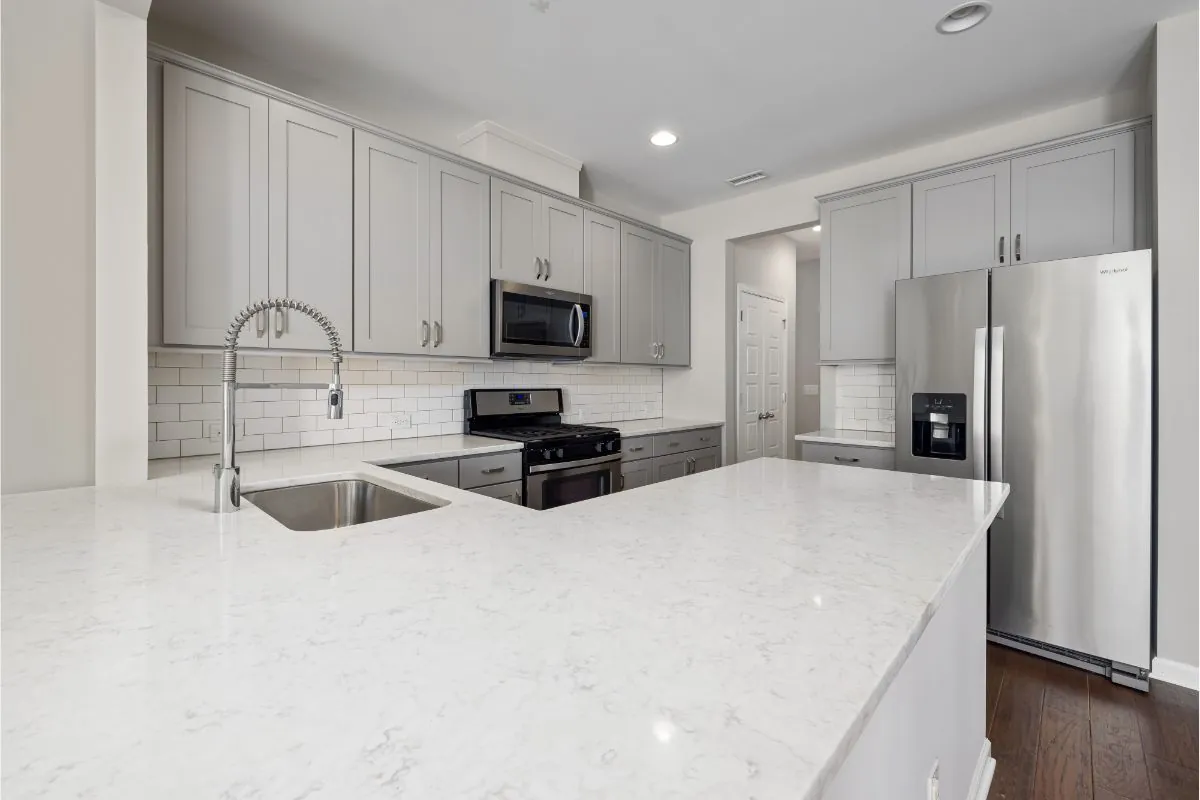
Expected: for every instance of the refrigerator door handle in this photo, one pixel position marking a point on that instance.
(996, 435)
(978, 413)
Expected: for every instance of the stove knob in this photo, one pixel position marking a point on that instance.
(599, 447)
(559, 453)
(547, 453)
(612, 446)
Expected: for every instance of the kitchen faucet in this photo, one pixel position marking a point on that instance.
(228, 492)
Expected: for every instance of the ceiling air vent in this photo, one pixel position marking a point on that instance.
(749, 177)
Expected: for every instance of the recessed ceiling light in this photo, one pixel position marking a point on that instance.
(816, 228)
(964, 16)
(664, 139)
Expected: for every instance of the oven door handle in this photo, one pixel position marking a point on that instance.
(569, 468)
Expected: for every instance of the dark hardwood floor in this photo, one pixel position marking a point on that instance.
(1060, 733)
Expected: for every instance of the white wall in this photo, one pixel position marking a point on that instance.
(1177, 138)
(700, 391)
(48, 359)
(808, 345)
(768, 264)
(121, 226)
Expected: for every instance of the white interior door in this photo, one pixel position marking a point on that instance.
(762, 377)
(774, 376)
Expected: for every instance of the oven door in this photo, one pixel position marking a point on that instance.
(538, 321)
(553, 485)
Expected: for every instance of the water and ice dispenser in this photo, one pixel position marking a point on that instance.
(939, 426)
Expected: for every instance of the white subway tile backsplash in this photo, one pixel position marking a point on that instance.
(865, 397)
(186, 396)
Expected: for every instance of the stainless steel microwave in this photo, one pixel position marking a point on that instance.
(539, 322)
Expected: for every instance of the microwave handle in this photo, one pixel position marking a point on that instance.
(577, 319)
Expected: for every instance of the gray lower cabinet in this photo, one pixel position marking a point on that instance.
(848, 455)
(668, 467)
(485, 470)
(866, 246)
(1075, 200)
(509, 492)
(706, 459)
(960, 221)
(636, 473)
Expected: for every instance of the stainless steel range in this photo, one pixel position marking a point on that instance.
(561, 463)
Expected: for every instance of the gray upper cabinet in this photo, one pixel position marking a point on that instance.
(866, 248)
(1076, 200)
(516, 233)
(960, 221)
(673, 313)
(638, 298)
(458, 258)
(310, 229)
(562, 245)
(536, 239)
(602, 280)
(214, 207)
(391, 248)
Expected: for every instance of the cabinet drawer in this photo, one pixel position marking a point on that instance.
(489, 470)
(666, 444)
(443, 472)
(637, 449)
(848, 456)
(509, 492)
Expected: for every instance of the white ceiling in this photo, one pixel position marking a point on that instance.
(795, 88)
(808, 244)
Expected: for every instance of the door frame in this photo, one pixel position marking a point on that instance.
(745, 288)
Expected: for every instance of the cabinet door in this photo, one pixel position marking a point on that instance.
(562, 246)
(638, 298)
(458, 252)
(706, 459)
(391, 248)
(1076, 200)
(214, 207)
(637, 473)
(674, 311)
(508, 492)
(960, 221)
(311, 229)
(668, 467)
(516, 232)
(602, 280)
(866, 246)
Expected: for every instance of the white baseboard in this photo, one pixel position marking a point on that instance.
(1176, 672)
(985, 768)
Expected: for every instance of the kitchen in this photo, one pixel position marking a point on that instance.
(405, 421)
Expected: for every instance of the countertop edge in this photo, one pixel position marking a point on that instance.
(829, 770)
(841, 437)
(674, 426)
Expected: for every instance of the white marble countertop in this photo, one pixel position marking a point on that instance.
(856, 438)
(647, 427)
(726, 634)
(394, 451)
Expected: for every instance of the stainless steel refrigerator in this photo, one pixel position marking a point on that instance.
(1039, 375)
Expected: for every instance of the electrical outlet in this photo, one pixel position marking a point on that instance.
(934, 780)
(399, 421)
(811, 389)
(212, 431)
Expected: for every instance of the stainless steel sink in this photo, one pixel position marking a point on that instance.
(335, 504)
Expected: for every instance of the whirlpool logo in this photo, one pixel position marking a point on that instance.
(1114, 270)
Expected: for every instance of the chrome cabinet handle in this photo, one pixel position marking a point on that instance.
(279, 322)
(637, 449)
(424, 333)
(672, 444)
(492, 470)
(260, 323)
(845, 460)
(547, 269)
(706, 438)
(1001, 249)
(1017, 247)
(691, 466)
(539, 266)
(621, 483)
(437, 333)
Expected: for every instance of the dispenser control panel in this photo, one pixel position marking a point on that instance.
(939, 426)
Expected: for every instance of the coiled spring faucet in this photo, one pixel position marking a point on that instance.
(228, 492)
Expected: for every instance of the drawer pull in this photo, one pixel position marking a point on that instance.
(672, 444)
(845, 460)
(705, 439)
(494, 470)
(637, 449)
